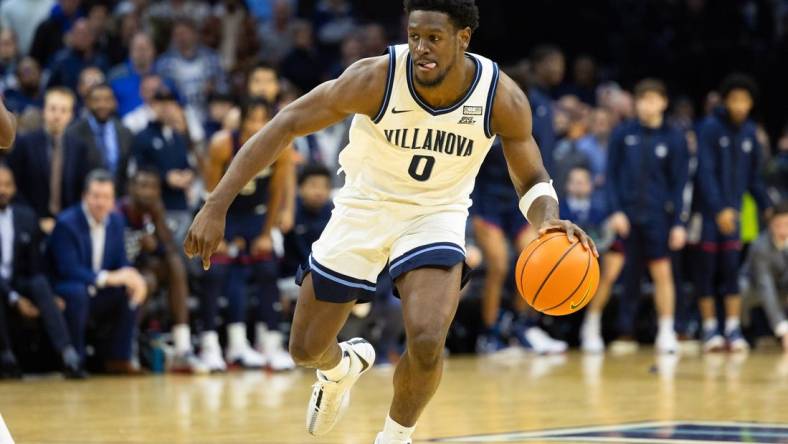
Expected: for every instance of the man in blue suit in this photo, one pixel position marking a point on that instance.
(50, 165)
(92, 273)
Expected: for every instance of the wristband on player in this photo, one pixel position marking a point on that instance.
(536, 191)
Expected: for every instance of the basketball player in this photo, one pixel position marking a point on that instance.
(425, 116)
(248, 252)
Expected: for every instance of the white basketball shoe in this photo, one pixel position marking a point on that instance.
(330, 399)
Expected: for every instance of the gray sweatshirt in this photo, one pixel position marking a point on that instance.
(768, 270)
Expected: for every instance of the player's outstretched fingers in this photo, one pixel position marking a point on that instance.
(570, 232)
(188, 245)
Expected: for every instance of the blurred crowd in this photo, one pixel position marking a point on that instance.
(129, 112)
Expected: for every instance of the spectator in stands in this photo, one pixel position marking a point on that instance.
(578, 205)
(776, 173)
(138, 119)
(50, 165)
(22, 280)
(164, 145)
(220, 106)
(263, 81)
(9, 58)
(248, 251)
(107, 41)
(594, 144)
(92, 274)
(584, 80)
(333, 22)
(108, 141)
(195, 69)
(647, 172)
(351, 51)
(79, 53)
(152, 250)
(126, 79)
(277, 33)
(174, 10)
(374, 39)
(88, 78)
(566, 153)
(313, 209)
(768, 271)
(729, 163)
(23, 17)
(548, 72)
(27, 94)
(48, 39)
(301, 65)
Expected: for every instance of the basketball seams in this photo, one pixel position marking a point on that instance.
(580, 284)
(558, 262)
(522, 271)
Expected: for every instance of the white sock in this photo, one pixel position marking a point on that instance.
(593, 322)
(339, 371)
(182, 337)
(731, 323)
(260, 330)
(710, 324)
(236, 336)
(666, 325)
(209, 340)
(394, 431)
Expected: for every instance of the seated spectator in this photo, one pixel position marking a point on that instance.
(647, 172)
(27, 93)
(164, 146)
(313, 209)
(594, 144)
(220, 106)
(48, 38)
(23, 17)
(79, 54)
(23, 283)
(247, 253)
(138, 119)
(301, 65)
(108, 42)
(263, 81)
(768, 271)
(195, 69)
(579, 205)
(151, 249)
(88, 78)
(92, 274)
(9, 57)
(125, 79)
(776, 173)
(277, 32)
(49, 164)
(108, 141)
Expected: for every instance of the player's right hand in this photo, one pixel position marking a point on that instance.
(205, 234)
(726, 221)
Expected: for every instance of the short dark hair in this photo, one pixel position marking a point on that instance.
(738, 80)
(650, 85)
(312, 170)
(463, 13)
(98, 86)
(542, 52)
(99, 175)
(146, 170)
(254, 102)
(264, 65)
(781, 209)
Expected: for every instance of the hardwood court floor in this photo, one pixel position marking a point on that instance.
(502, 394)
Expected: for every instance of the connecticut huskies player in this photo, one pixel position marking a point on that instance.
(425, 117)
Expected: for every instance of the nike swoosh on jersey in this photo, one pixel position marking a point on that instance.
(399, 111)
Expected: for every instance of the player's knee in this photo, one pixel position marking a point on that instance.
(425, 348)
(305, 353)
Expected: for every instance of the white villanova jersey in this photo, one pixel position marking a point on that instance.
(413, 154)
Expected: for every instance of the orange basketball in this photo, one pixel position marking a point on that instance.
(555, 276)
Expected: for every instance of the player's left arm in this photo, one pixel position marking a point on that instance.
(511, 121)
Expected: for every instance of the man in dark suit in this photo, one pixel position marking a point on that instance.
(50, 165)
(108, 141)
(92, 273)
(22, 283)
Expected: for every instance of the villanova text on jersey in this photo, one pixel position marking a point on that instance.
(431, 139)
